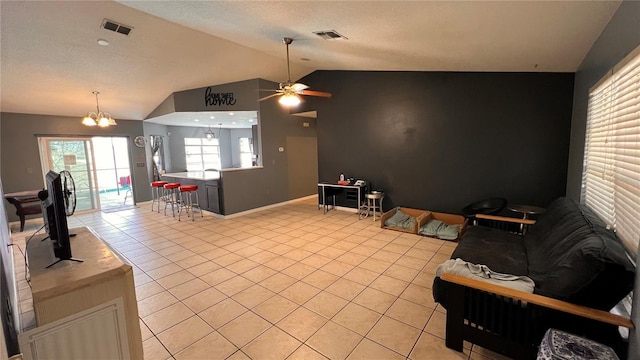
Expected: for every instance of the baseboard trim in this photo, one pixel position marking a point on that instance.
(266, 207)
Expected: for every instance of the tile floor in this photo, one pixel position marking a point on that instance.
(283, 283)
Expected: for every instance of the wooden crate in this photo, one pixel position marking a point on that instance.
(419, 215)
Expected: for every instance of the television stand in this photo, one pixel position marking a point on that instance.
(82, 306)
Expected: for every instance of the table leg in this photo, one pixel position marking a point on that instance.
(324, 206)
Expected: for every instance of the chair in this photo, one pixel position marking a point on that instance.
(171, 196)
(186, 201)
(490, 206)
(125, 182)
(156, 188)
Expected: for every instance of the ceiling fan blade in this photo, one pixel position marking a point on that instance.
(270, 96)
(297, 87)
(315, 93)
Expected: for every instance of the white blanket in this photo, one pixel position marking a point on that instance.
(483, 273)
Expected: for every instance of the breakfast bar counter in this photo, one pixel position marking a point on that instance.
(209, 187)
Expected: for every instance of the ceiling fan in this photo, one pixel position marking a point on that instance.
(290, 92)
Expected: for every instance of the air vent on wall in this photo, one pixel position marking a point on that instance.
(114, 26)
(330, 35)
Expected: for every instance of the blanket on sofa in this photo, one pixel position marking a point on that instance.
(483, 273)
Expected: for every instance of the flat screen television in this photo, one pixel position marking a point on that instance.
(55, 217)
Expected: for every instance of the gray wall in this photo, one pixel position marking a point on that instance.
(270, 184)
(234, 137)
(441, 140)
(621, 35)
(20, 152)
(618, 39)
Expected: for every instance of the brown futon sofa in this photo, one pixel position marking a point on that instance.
(580, 270)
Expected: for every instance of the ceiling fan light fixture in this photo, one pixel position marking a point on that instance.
(289, 100)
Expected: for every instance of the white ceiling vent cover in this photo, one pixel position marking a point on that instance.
(114, 26)
(330, 35)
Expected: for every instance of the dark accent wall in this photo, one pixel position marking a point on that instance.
(618, 39)
(20, 150)
(440, 140)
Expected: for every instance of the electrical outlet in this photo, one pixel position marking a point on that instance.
(281, 149)
(305, 124)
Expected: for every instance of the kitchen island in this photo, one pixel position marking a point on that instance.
(209, 187)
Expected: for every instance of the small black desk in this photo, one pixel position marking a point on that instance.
(359, 188)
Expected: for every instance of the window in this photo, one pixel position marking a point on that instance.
(202, 154)
(246, 155)
(611, 173)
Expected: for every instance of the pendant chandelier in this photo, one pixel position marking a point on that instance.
(98, 118)
(209, 134)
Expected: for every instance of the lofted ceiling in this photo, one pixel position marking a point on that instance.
(51, 60)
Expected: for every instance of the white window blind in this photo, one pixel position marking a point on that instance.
(611, 173)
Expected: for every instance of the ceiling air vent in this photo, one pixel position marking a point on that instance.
(330, 35)
(114, 26)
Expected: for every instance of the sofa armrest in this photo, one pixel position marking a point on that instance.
(514, 225)
(506, 219)
(547, 302)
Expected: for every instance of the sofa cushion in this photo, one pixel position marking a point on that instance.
(573, 257)
(501, 251)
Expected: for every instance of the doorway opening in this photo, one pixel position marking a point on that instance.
(100, 167)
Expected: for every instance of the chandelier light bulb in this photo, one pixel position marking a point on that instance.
(88, 121)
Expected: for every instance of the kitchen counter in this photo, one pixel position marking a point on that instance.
(209, 187)
(195, 175)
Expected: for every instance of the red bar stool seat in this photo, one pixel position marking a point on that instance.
(156, 188)
(171, 197)
(187, 201)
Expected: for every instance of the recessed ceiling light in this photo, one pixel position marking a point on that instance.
(233, 122)
(103, 42)
(230, 114)
(196, 120)
(212, 117)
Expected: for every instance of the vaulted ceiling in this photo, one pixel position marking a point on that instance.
(51, 60)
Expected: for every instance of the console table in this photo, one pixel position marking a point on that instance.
(24, 203)
(83, 310)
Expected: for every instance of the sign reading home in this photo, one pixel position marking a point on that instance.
(218, 99)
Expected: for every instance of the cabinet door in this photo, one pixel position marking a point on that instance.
(213, 199)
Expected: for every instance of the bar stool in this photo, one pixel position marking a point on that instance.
(155, 193)
(372, 197)
(187, 201)
(171, 196)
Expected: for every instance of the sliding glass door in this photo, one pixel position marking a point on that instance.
(76, 156)
(100, 168)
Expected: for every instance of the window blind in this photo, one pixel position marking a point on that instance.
(611, 172)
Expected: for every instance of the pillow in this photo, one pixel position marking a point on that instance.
(401, 220)
(431, 228)
(440, 229)
(448, 232)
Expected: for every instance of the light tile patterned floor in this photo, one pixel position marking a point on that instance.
(283, 283)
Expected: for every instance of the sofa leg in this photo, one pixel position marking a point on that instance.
(455, 317)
